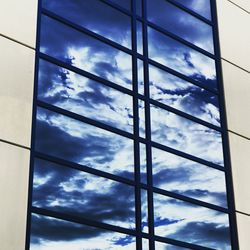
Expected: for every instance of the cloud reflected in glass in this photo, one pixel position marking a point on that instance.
(75, 141)
(181, 23)
(185, 177)
(85, 52)
(181, 58)
(54, 234)
(180, 94)
(184, 221)
(84, 195)
(76, 93)
(185, 135)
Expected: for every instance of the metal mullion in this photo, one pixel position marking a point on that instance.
(83, 168)
(33, 129)
(225, 138)
(84, 119)
(85, 31)
(191, 12)
(148, 127)
(136, 128)
(180, 40)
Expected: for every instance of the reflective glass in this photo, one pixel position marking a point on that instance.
(123, 3)
(144, 210)
(180, 94)
(145, 244)
(85, 52)
(140, 70)
(77, 193)
(181, 58)
(164, 246)
(75, 141)
(95, 16)
(181, 23)
(141, 105)
(143, 163)
(185, 135)
(202, 7)
(53, 234)
(139, 37)
(139, 7)
(81, 95)
(184, 221)
(182, 176)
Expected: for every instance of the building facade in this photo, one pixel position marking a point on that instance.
(125, 124)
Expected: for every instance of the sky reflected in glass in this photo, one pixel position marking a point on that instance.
(95, 16)
(185, 177)
(181, 23)
(184, 221)
(181, 58)
(85, 52)
(54, 234)
(184, 96)
(77, 193)
(76, 93)
(75, 141)
(202, 7)
(185, 135)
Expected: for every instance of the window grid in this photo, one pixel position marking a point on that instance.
(135, 136)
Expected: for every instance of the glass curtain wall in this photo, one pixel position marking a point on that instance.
(127, 142)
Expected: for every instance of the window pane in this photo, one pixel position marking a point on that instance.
(179, 175)
(182, 95)
(144, 210)
(54, 234)
(164, 246)
(179, 57)
(77, 193)
(85, 52)
(181, 23)
(185, 135)
(184, 221)
(95, 16)
(123, 3)
(69, 139)
(202, 7)
(81, 95)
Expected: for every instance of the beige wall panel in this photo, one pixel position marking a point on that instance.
(16, 95)
(245, 4)
(14, 174)
(234, 33)
(18, 20)
(243, 223)
(240, 151)
(237, 95)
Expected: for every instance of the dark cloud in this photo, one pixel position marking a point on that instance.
(43, 228)
(206, 234)
(112, 202)
(96, 149)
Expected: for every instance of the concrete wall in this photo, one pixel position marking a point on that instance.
(234, 33)
(17, 43)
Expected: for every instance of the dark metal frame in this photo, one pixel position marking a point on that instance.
(135, 136)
